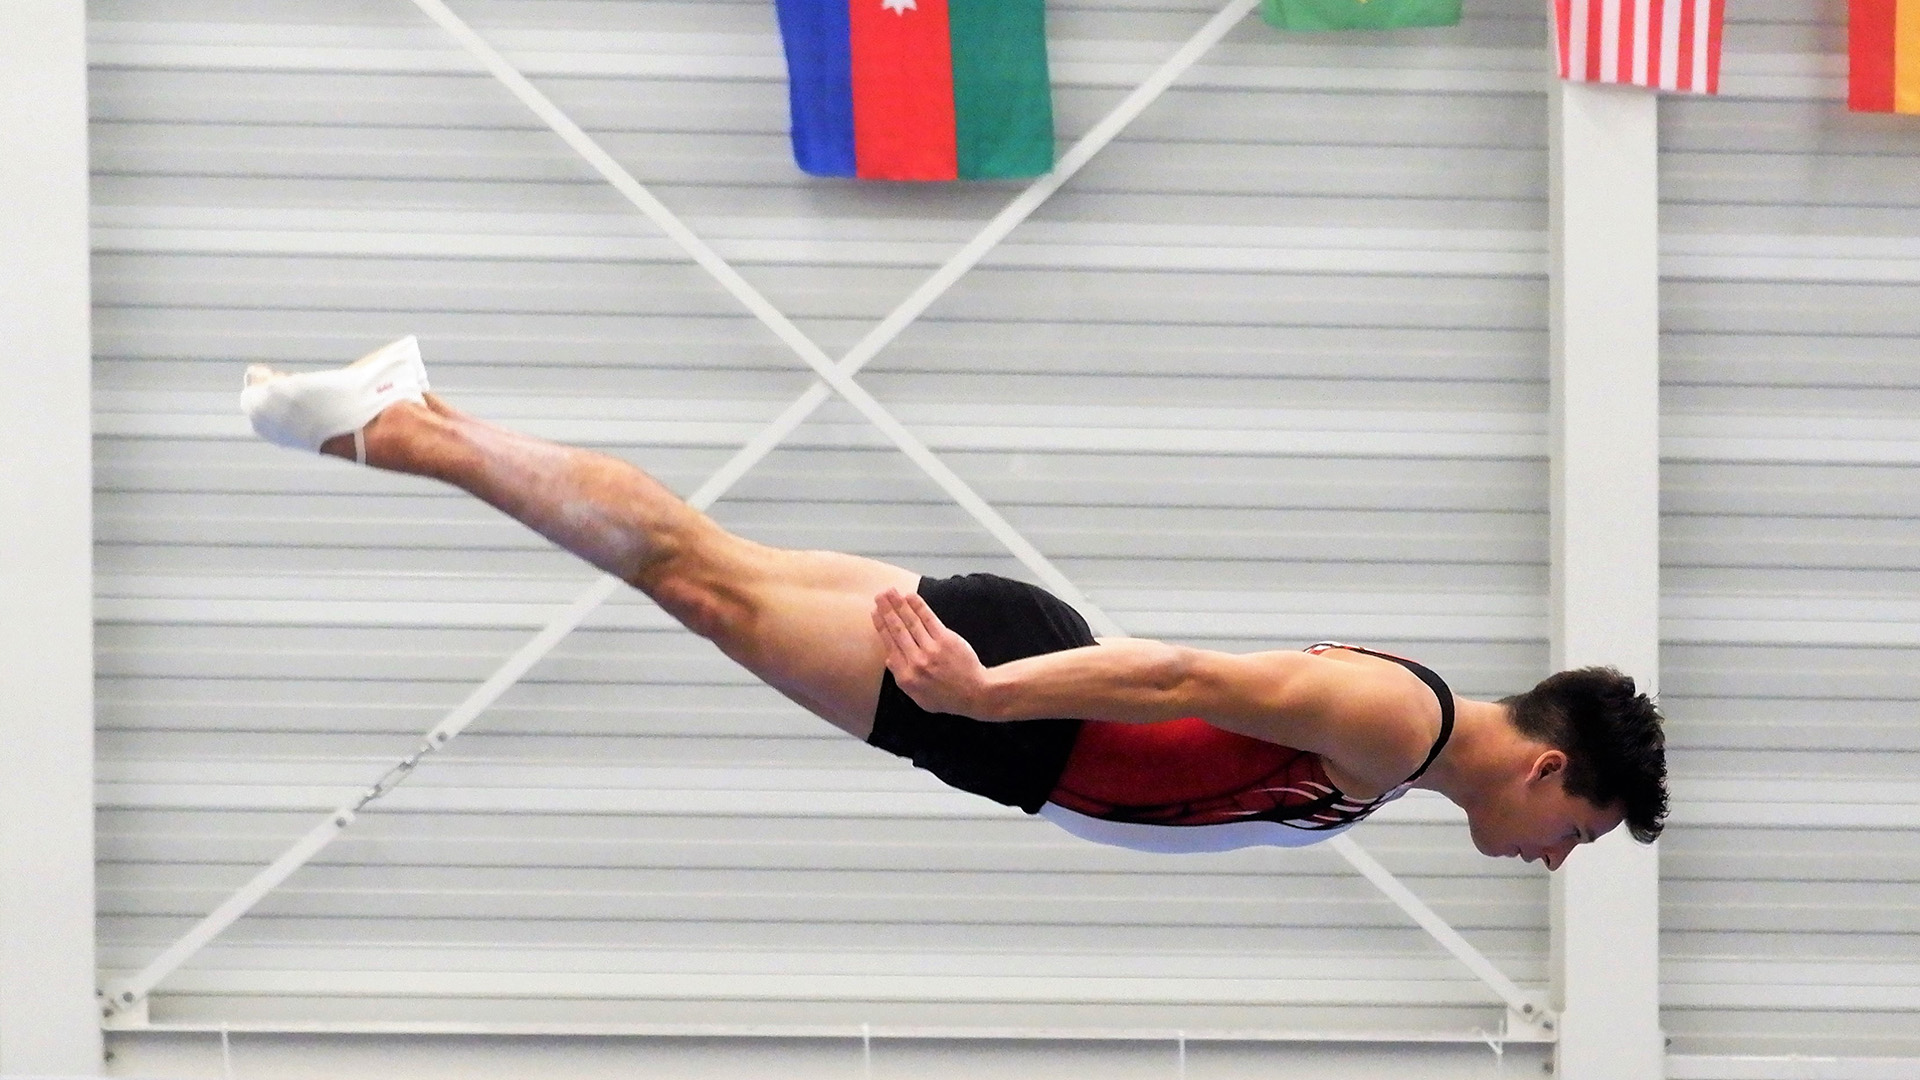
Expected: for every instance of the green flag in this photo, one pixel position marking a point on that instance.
(1359, 14)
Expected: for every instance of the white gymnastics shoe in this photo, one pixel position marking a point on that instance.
(302, 411)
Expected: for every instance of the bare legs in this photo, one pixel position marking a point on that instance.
(799, 620)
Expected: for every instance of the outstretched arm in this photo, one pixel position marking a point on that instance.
(1292, 698)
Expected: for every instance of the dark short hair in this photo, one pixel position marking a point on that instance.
(1616, 752)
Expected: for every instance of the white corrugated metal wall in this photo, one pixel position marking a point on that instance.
(1271, 369)
(1791, 592)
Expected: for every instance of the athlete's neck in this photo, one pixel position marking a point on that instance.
(1482, 753)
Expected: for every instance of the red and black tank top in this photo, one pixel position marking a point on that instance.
(1189, 773)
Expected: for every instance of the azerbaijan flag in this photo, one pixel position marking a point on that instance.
(1359, 14)
(919, 89)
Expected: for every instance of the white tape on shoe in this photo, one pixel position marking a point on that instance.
(303, 411)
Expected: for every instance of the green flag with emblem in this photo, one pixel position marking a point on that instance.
(1359, 14)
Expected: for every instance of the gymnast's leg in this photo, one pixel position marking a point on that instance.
(799, 620)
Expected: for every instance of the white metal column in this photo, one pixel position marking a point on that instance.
(1606, 542)
(48, 1023)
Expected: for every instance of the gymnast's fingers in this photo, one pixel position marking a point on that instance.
(902, 646)
(911, 621)
(885, 622)
(922, 610)
(928, 627)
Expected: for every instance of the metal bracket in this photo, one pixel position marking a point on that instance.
(1532, 1016)
(131, 1016)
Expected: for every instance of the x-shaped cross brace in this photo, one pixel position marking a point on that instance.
(835, 378)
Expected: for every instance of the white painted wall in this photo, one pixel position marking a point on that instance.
(1768, 132)
(1790, 659)
(1270, 370)
(48, 1023)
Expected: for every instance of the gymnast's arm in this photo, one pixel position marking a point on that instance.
(1293, 698)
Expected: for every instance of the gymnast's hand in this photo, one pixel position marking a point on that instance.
(935, 666)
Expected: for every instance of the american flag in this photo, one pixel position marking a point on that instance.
(1664, 44)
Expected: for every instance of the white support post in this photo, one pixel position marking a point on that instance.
(1606, 543)
(49, 1023)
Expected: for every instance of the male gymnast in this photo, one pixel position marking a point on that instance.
(1000, 689)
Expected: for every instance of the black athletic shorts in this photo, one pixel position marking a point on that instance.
(1018, 762)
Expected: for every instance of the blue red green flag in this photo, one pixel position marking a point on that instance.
(919, 89)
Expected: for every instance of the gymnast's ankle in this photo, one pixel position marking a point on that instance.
(380, 439)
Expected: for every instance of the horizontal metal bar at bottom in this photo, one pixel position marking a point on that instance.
(830, 1031)
(1789, 1067)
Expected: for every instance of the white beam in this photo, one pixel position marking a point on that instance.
(49, 1023)
(1789, 1067)
(1606, 558)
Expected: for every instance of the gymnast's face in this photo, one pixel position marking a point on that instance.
(1536, 820)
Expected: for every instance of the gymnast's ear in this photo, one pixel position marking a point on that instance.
(1550, 763)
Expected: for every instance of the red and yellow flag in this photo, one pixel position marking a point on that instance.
(1883, 56)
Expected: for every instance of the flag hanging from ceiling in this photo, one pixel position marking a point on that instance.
(1359, 14)
(1663, 44)
(919, 89)
(1883, 56)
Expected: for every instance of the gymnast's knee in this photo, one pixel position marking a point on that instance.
(703, 585)
(714, 612)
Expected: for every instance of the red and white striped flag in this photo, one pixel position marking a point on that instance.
(1664, 44)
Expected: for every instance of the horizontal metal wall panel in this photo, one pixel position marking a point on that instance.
(1791, 606)
(1270, 370)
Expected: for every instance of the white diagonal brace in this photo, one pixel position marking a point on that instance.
(1527, 1008)
(128, 993)
(755, 302)
(1023, 205)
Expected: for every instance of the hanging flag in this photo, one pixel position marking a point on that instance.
(1883, 56)
(919, 89)
(1359, 14)
(1663, 44)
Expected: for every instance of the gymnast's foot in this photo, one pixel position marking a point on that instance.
(329, 411)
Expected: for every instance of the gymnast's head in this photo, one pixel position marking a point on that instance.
(1594, 757)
